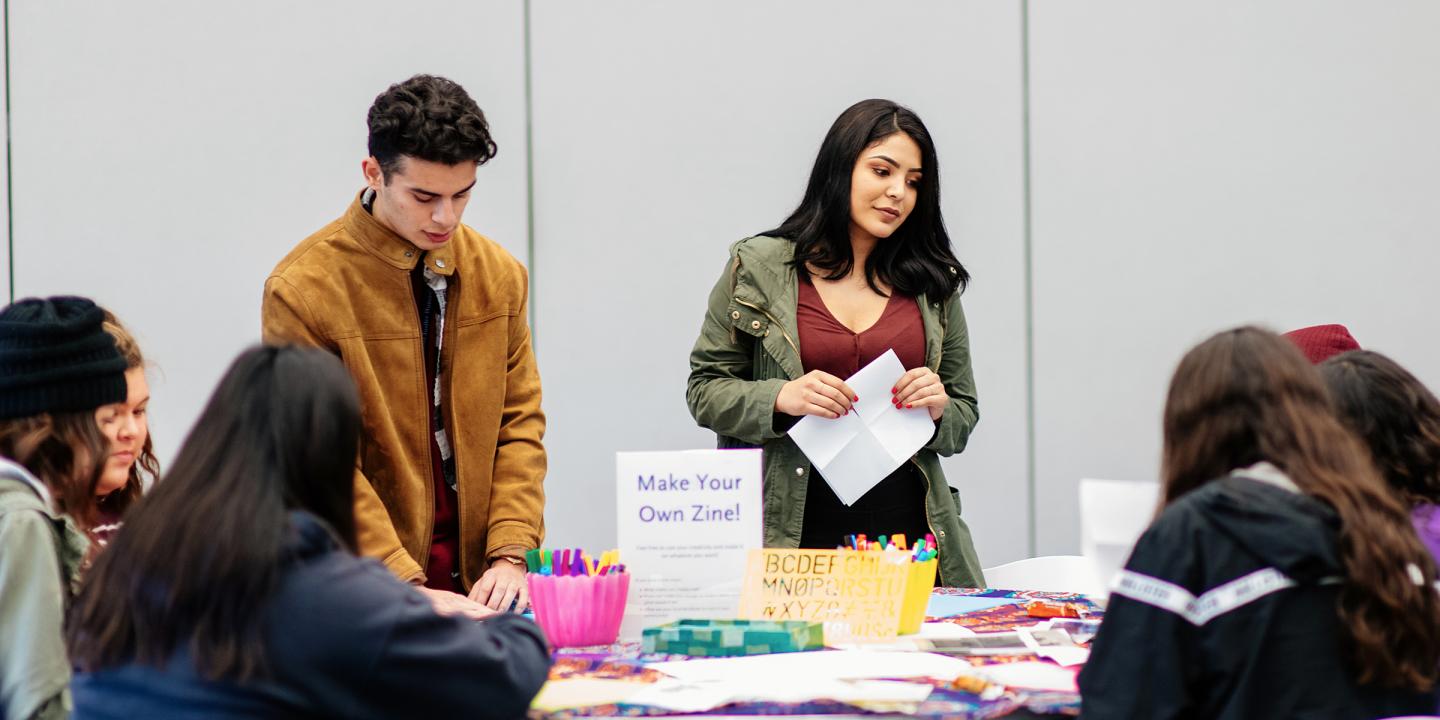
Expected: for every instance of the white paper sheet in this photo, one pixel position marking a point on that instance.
(1053, 644)
(818, 666)
(684, 560)
(700, 695)
(941, 631)
(1031, 675)
(918, 642)
(855, 452)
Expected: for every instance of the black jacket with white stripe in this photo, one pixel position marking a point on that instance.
(1228, 608)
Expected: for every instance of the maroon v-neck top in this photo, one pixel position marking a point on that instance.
(897, 503)
(826, 344)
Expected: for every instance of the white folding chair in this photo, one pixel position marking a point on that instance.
(1113, 515)
(1054, 573)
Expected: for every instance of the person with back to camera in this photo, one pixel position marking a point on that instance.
(1398, 418)
(430, 318)
(862, 266)
(57, 367)
(234, 590)
(1281, 578)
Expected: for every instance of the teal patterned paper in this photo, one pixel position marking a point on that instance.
(729, 638)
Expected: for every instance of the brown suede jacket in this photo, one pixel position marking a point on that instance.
(347, 289)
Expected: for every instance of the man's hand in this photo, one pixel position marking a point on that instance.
(502, 583)
(449, 603)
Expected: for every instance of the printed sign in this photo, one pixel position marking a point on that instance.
(685, 522)
(856, 594)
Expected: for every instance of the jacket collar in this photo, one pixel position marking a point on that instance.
(396, 251)
(763, 276)
(1266, 473)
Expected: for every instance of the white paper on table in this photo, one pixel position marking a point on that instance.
(917, 642)
(700, 695)
(818, 666)
(684, 696)
(1031, 676)
(943, 631)
(856, 451)
(1067, 655)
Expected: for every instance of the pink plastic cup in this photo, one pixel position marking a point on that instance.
(579, 610)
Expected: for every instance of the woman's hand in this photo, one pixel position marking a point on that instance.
(816, 393)
(921, 387)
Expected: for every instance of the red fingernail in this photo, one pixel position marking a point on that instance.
(908, 405)
(855, 399)
(895, 389)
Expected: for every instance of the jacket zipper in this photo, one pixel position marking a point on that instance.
(928, 524)
(773, 322)
(944, 328)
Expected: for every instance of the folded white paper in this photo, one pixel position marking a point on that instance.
(856, 451)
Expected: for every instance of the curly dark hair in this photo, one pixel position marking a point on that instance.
(430, 118)
(1396, 416)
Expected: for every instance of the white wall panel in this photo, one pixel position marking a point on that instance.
(665, 131)
(167, 154)
(4, 185)
(1198, 166)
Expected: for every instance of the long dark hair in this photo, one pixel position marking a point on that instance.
(1396, 416)
(201, 554)
(66, 451)
(917, 259)
(1248, 395)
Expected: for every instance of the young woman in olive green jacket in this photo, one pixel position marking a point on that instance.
(864, 261)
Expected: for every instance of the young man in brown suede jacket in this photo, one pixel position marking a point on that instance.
(429, 316)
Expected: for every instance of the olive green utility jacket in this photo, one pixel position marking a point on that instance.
(749, 347)
(40, 554)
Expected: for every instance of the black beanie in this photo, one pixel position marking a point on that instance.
(56, 357)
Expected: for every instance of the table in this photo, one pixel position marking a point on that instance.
(625, 662)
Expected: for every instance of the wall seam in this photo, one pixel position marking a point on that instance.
(529, 177)
(9, 175)
(1030, 490)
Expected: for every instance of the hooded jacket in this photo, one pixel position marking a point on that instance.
(344, 639)
(748, 349)
(1228, 609)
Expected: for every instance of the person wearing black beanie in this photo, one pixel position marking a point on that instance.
(57, 366)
